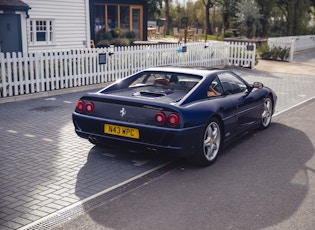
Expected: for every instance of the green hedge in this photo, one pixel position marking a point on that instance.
(275, 53)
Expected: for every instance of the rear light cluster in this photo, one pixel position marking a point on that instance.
(172, 119)
(88, 107)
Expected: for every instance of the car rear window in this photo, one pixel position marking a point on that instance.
(170, 80)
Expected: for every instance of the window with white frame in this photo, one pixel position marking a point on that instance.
(42, 31)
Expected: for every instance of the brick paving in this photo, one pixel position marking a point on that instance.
(291, 89)
(45, 167)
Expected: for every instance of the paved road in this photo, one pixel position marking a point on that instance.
(305, 57)
(265, 181)
(47, 172)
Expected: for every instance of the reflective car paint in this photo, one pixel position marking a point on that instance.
(123, 106)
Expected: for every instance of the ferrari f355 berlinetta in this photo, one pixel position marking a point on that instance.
(186, 111)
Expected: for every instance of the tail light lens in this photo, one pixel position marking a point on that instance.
(160, 118)
(80, 106)
(173, 119)
(89, 107)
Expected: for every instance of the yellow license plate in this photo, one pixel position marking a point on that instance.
(121, 131)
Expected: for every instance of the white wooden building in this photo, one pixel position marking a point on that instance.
(38, 25)
(58, 24)
(33, 25)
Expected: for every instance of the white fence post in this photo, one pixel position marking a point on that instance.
(3, 79)
(292, 49)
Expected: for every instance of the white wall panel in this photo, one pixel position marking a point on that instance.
(70, 18)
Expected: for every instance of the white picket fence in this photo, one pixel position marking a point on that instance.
(22, 74)
(295, 43)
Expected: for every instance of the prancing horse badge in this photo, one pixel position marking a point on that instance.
(123, 112)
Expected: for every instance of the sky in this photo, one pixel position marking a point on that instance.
(182, 2)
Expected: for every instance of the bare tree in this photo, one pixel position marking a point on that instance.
(208, 5)
(227, 11)
(167, 16)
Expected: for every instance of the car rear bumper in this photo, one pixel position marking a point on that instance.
(179, 142)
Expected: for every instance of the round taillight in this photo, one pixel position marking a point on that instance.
(80, 106)
(89, 107)
(160, 118)
(173, 119)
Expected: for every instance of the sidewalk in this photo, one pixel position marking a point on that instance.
(304, 68)
(303, 63)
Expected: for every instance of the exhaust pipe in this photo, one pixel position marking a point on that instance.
(93, 140)
(152, 149)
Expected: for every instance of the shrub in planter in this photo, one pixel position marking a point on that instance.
(132, 41)
(275, 53)
(284, 53)
(265, 52)
(121, 42)
(103, 35)
(103, 44)
(130, 35)
(117, 32)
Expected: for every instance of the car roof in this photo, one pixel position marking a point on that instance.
(194, 70)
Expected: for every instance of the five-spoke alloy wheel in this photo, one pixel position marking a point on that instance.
(210, 145)
(266, 113)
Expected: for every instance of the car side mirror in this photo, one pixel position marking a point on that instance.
(258, 85)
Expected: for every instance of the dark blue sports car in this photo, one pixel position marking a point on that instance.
(186, 111)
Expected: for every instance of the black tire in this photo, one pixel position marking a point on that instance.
(210, 144)
(266, 113)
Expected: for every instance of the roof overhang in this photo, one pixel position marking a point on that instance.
(14, 5)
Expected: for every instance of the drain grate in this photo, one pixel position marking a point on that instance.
(58, 218)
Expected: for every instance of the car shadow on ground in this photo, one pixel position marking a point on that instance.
(257, 182)
(106, 167)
